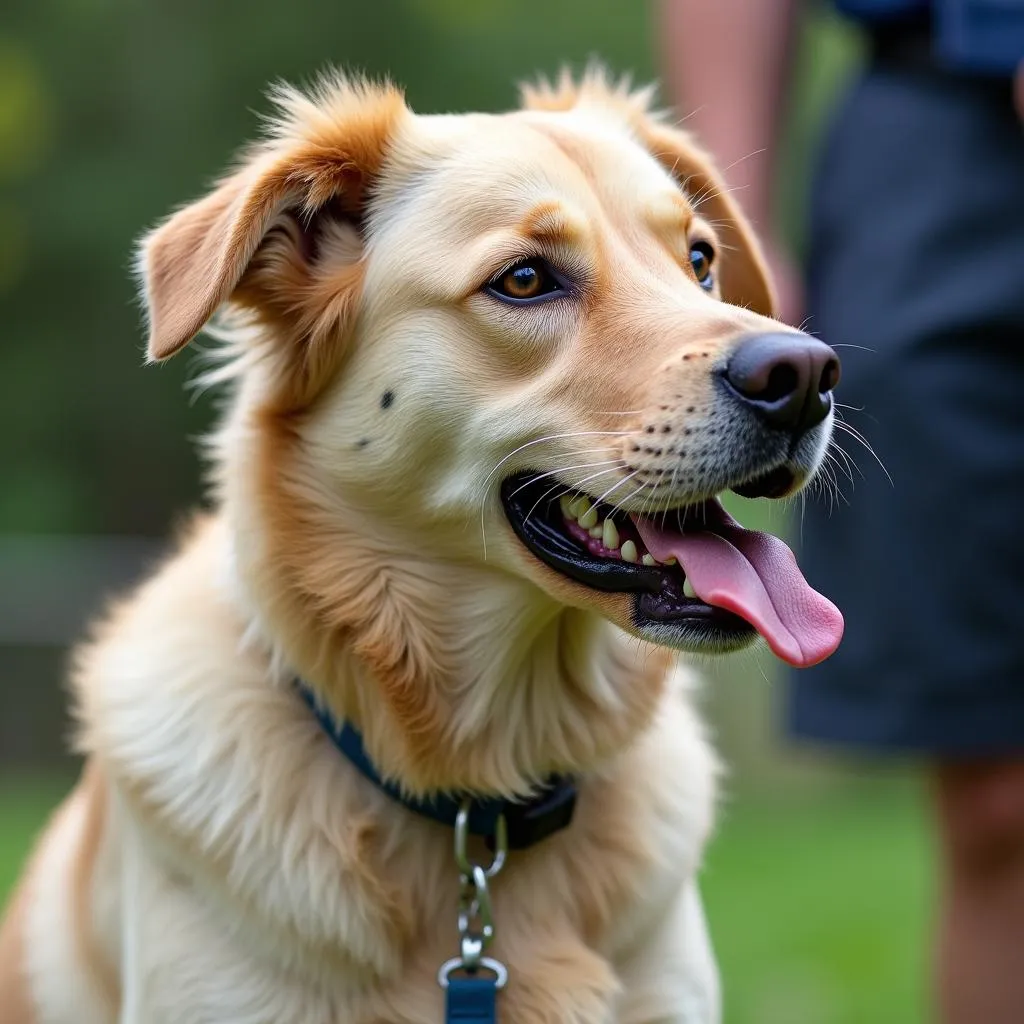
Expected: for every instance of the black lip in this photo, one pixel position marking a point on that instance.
(776, 483)
(532, 508)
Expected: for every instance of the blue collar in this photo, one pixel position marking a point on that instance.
(530, 821)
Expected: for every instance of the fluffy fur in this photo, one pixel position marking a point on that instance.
(220, 861)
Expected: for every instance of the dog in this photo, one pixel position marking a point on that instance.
(487, 375)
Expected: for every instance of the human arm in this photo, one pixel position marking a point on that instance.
(726, 69)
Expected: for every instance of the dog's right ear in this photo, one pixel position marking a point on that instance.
(744, 273)
(322, 158)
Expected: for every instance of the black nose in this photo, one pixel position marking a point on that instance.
(787, 378)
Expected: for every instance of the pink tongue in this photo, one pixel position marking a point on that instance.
(755, 576)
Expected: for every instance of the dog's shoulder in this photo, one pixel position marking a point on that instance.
(57, 949)
(174, 636)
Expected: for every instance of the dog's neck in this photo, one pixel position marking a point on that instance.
(459, 677)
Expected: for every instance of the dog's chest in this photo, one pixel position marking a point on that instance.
(345, 924)
(574, 916)
(567, 928)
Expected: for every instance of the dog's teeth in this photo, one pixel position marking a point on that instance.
(566, 504)
(688, 588)
(610, 535)
(596, 532)
(589, 517)
(671, 561)
(649, 560)
(577, 507)
(628, 552)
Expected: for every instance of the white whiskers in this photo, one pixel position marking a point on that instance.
(616, 486)
(853, 432)
(566, 489)
(528, 444)
(632, 494)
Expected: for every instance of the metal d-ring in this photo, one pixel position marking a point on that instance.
(498, 969)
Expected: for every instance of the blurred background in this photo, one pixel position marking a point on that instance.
(112, 113)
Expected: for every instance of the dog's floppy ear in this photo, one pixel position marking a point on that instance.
(322, 157)
(743, 272)
(194, 260)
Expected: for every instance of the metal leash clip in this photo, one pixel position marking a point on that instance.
(471, 979)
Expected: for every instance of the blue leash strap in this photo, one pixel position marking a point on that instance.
(471, 1000)
(471, 995)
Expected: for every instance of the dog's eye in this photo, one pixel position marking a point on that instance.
(526, 281)
(701, 258)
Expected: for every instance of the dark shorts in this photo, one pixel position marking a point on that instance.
(917, 254)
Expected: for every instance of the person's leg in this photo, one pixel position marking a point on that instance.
(929, 571)
(980, 969)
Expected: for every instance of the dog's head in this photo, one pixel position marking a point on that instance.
(534, 345)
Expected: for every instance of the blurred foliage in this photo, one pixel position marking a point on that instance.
(112, 113)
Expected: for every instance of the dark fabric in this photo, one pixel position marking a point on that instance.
(527, 822)
(980, 35)
(471, 1000)
(974, 36)
(880, 10)
(917, 254)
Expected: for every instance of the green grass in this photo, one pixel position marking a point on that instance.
(818, 908)
(25, 804)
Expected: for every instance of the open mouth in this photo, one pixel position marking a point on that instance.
(698, 579)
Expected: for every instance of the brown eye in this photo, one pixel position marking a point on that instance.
(526, 281)
(701, 258)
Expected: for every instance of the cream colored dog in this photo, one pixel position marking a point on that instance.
(487, 375)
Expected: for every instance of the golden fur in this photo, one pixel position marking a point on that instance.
(220, 861)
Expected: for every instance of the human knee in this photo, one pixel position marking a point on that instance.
(981, 806)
